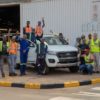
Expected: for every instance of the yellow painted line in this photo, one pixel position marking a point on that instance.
(5, 84)
(71, 84)
(32, 85)
(95, 81)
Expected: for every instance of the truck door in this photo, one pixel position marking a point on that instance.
(32, 54)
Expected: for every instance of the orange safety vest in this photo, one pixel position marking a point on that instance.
(38, 30)
(28, 29)
(13, 48)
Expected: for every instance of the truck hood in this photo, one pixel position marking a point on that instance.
(61, 48)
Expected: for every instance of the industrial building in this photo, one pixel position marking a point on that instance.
(71, 17)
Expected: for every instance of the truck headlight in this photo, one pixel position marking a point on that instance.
(51, 60)
(51, 53)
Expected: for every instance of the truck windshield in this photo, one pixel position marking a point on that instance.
(55, 41)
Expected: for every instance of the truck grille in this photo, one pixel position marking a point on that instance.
(66, 54)
(68, 60)
(67, 57)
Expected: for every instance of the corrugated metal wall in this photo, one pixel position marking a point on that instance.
(11, 1)
(66, 16)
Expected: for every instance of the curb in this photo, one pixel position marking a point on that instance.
(50, 86)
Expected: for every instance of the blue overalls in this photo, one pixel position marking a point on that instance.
(24, 49)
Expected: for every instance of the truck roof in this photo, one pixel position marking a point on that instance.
(49, 35)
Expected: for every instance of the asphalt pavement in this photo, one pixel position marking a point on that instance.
(55, 76)
(79, 93)
(89, 92)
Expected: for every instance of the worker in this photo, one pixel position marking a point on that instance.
(78, 42)
(83, 38)
(61, 38)
(1, 55)
(28, 30)
(87, 66)
(39, 29)
(12, 50)
(41, 51)
(95, 49)
(89, 39)
(24, 49)
(83, 46)
(33, 37)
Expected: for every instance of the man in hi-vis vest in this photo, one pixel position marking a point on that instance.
(12, 50)
(28, 30)
(39, 29)
(87, 66)
(95, 49)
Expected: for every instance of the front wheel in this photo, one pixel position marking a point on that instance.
(74, 69)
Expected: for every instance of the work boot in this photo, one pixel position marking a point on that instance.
(23, 74)
(14, 74)
(10, 74)
(3, 75)
(97, 72)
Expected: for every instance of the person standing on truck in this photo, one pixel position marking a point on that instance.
(28, 30)
(87, 66)
(24, 49)
(39, 29)
(12, 50)
(41, 51)
(61, 38)
(95, 49)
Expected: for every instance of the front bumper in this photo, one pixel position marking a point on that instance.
(59, 64)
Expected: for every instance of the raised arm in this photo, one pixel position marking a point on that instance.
(43, 23)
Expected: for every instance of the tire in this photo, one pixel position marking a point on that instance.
(51, 69)
(74, 69)
(17, 66)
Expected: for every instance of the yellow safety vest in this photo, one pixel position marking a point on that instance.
(94, 46)
(8, 44)
(1, 44)
(87, 57)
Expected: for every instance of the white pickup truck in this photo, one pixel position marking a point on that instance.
(60, 55)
